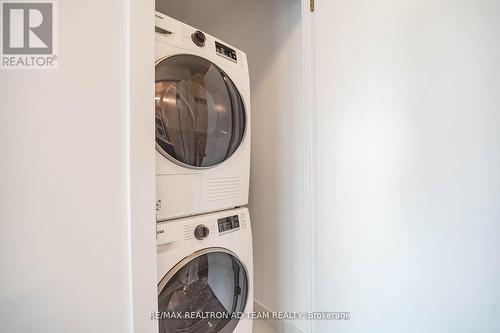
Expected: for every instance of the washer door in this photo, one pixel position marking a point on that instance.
(212, 283)
(200, 116)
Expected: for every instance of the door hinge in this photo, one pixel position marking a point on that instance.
(311, 5)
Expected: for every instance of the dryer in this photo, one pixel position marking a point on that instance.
(205, 267)
(202, 121)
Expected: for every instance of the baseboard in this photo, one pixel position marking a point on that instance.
(288, 327)
(276, 324)
(279, 326)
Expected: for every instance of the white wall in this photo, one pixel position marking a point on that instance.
(408, 174)
(270, 33)
(66, 171)
(142, 186)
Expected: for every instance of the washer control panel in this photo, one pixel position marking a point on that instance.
(230, 223)
(206, 228)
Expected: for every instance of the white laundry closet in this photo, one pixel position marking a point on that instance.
(270, 32)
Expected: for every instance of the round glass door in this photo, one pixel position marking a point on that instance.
(200, 116)
(213, 284)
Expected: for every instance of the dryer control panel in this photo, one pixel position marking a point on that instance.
(182, 37)
(225, 51)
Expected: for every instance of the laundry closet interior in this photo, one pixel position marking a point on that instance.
(270, 33)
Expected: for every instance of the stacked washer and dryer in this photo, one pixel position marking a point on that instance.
(204, 240)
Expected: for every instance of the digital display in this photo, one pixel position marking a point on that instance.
(225, 51)
(228, 223)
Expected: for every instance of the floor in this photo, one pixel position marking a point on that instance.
(260, 326)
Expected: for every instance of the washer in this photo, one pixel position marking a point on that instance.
(202, 117)
(205, 266)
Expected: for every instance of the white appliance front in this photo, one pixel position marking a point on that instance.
(202, 121)
(205, 266)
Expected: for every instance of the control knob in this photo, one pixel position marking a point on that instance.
(201, 232)
(199, 38)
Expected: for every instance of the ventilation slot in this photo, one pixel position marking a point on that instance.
(188, 234)
(222, 189)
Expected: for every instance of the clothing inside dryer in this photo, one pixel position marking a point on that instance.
(213, 283)
(200, 116)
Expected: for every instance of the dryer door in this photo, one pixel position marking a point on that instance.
(200, 116)
(213, 284)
